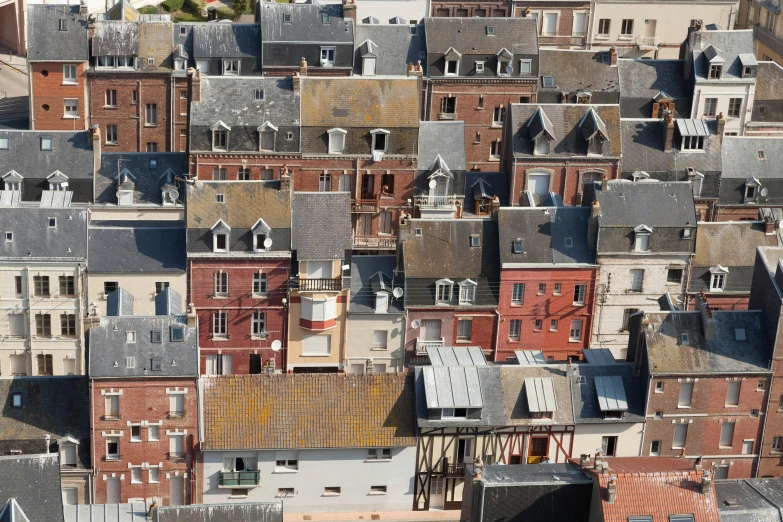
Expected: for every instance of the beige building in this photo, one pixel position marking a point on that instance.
(767, 28)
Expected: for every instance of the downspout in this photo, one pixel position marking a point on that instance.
(172, 101)
(646, 411)
(764, 426)
(92, 439)
(589, 36)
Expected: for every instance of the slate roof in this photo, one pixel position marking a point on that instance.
(729, 45)
(543, 233)
(514, 391)
(750, 500)
(56, 406)
(232, 101)
(393, 45)
(47, 42)
(565, 118)
(642, 80)
(469, 35)
(362, 294)
(585, 399)
(741, 162)
(245, 204)
(723, 354)
(141, 247)
(314, 213)
(34, 481)
(768, 102)
(491, 392)
(149, 181)
(34, 239)
(221, 40)
(116, 38)
(357, 102)
(245, 511)
(478, 184)
(155, 42)
(306, 24)
(573, 71)
(109, 349)
(71, 153)
(444, 138)
(628, 204)
(287, 411)
(566, 473)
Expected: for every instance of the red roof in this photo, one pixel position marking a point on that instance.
(619, 465)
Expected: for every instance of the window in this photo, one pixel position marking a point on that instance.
(41, 284)
(627, 313)
(686, 394)
(69, 74)
(603, 26)
(68, 325)
(67, 286)
(220, 364)
(110, 286)
(160, 286)
(655, 448)
(285, 492)
(626, 28)
(750, 192)
(580, 24)
(16, 400)
(494, 149)
(325, 182)
(637, 280)
(541, 288)
(464, 328)
(154, 473)
(156, 336)
(680, 435)
(220, 324)
(3, 143)
(112, 407)
(525, 69)
(710, 106)
(717, 282)
(575, 333)
(735, 104)
(130, 362)
(156, 364)
(152, 113)
(553, 325)
(448, 105)
(134, 97)
(231, 67)
(726, 434)
(760, 385)
(153, 432)
(259, 94)
(549, 26)
(152, 147)
(45, 364)
(777, 444)
(63, 24)
(18, 285)
(291, 463)
(674, 275)
(111, 98)
(579, 294)
(377, 490)
(518, 294)
(452, 67)
(443, 292)
(516, 247)
(176, 446)
(327, 56)
(112, 448)
(715, 72)
(514, 327)
(379, 339)
(112, 135)
(287, 18)
(221, 284)
(467, 291)
(379, 454)
(479, 67)
(497, 115)
(259, 324)
(608, 446)
(538, 324)
(332, 491)
(336, 141)
(71, 111)
(732, 393)
(317, 345)
(135, 433)
(259, 284)
(220, 139)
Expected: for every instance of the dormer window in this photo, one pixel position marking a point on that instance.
(220, 136)
(504, 58)
(443, 289)
(467, 292)
(380, 140)
(231, 67)
(752, 189)
(715, 72)
(642, 238)
(57, 181)
(718, 275)
(327, 56)
(693, 143)
(267, 133)
(381, 302)
(516, 247)
(541, 132)
(12, 181)
(336, 140)
(287, 18)
(541, 146)
(169, 197)
(46, 143)
(63, 25)
(747, 72)
(697, 181)
(368, 66)
(452, 67)
(261, 240)
(220, 235)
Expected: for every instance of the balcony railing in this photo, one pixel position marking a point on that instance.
(176, 414)
(174, 455)
(111, 417)
(454, 470)
(240, 479)
(423, 344)
(768, 38)
(113, 458)
(448, 115)
(442, 202)
(647, 42)
(306, 285)
(375, 243)
(364, 205)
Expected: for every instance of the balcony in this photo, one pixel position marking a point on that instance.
(768, 38)
(366, 205)
(176, 414)
(375, 243)
(239, 479)
(439, 207)
(112, 458)
(318, 285)
(647, 43)
(454, 470)
(176, 455)
(423, 344)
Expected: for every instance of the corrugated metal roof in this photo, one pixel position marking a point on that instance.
(452, 387)
(456, 356)
(540, 394)
(688, 127)
(135, 512)
(599, 356)
(611, 393)
(530, 357)
(56, 198)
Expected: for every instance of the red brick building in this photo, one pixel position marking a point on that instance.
(547, 282)
(143, 373)
(239, 259)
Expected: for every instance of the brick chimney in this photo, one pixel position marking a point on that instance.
(195, 84)
(769, 224)
(349, 10)
(706, 483)
(668, 133)
(611, 490)
(604, 183)
(563, 97)
(303, 67)
(285, 180)
(707, 321)
(721, 121)
(592, 226)
(297, 82)
(192, 317)
(613, 55)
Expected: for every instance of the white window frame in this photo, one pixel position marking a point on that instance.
(717, 281)
(494, 149)
(445, 288)
(580, 293)
(446, 68)
(514, 329)
(220, 325)
(258, 330)
(480, 66)
(69, 79)
(543, 22)
(625, 30)
(333, 133)
(71, 108)
(518, 294)
(219, 135)
(525, 67)
(112, 134)
(260, 283)
(575, 331)
(231, 67)
(467, 292)
(326, 50)
(220, 284)
(573, 24)
(375, 134)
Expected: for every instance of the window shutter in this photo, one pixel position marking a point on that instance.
(319, 310)
(330, 308)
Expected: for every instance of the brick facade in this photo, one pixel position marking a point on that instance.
(565, 37)
(471, 9)
(144, 402)
(48, 95)
(566, 176)
(744, 213)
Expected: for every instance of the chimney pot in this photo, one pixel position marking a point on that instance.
(611, 490)
(604, 183)
(706, 483)
(668, 133)
(613, 55)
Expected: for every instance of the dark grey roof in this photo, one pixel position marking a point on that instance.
(742, 162)
(109, 350)
(750, 500)
(55, 406)
(149, 181)
(723, 354)
(306, 24)
(116, 38)
(543, 233)
(45, 39)
(585, 399)
(71, 153)
(145, 247)
(643, 150)
(394, 47)
(642, 80)
(34, 481)
(469, 35)
(491, 414)
(33, 238)
(244, 511)
(573, 71)
(314, 212)
(567, 473)
(444, 138)
(655, 204)
(222, 40)
(363, 269)
(768, 102)
(726, 45)
(232, 101)
(484, 184)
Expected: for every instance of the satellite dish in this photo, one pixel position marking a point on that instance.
(276, 345)
(509, 69)
(764, 191)
(174, 194)
(267, 244)
(433, 183)
(415, 323)
(397, 292)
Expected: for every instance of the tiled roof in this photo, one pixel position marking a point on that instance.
(71, 154)
(34, 481)
(642, 80)
(394, 47)
(115, 38)
(246, 412)
(306, 25)
(226, 40)
(33, 238)
(444, 138)
(750, 500)
(628, 204)
(363, 268)
(573, 71)
(149, 182)
(730, 243)
(728, 44)
(315, 212)
(48, 42)
(768, 103)
(470, 35)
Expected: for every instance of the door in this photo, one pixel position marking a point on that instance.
(538, 184)
(464, 451)
(255, 363)
(430, 329)
(345, 183)
(369, 67)
(437, 496)
(70, 496)
(538, 449)
(368, 186)
(176, 491)
(113, 491)
(365, 225)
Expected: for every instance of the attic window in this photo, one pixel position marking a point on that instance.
(684, 339)
(762, 156)
(220, 198)
(52, 222)
(417, 232)
(183, 30)
(63, 24)
(156, 364)
(130, 336)
(259, 95)
(153, 163)
(569, 242)
(490, 31)
(177, 334)
(156, 336)
(715, 72)
(9, 237)
(16, 400)
(3, 143)
(475, 241)
(287, 18)
(231, 67)
(516, 247)
(739, 334)
(325, 19)
(46, 143)
(452, 66)
(547, 82)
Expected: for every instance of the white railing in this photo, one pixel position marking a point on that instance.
(423, 344)
(647, 41)
(438, 201)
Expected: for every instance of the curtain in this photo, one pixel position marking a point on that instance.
(251, 463)
(228, 464)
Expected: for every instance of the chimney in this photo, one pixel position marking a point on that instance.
(349, 10)
(769, 224)
(706, 483)
(495, 208)
(195, 84)
(96, 150)
(303, 67)
(297, 82)
(613, 55)
(597, 463)
(592, 225)
(584, 461)
(152, 514)
(192, 317)
(707, 321)
(697, 464)
(668, 133)
(721, 121)
(563, 97)
(285, 180)
(604, 183)
(48, 439)
(611, 490)
(83, 8)
(526, 12)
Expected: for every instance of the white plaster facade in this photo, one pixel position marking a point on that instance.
(589, 437)
(364, 342)
(347, 468)
(141, 286)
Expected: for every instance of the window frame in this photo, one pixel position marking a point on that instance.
(69, 79)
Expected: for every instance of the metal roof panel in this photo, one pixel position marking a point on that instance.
(530, 357)
(599, 356)
(611, 393)
(540, 394)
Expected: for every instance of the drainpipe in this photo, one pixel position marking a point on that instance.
(92, 438)
(646, 411)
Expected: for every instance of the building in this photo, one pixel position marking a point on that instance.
(30, 486)
(709, 377)
(320, 285)
(143, 258)
(749, 180)
(763, 20)
(646, 238)
(57, 59)
(52, 416)
(440, 180)
(42, 264)
(475, 66)
(768, 102)
(239, 262)
(289, 442)
(555, 150)
(723, 265)
(379, 47)
(451, 284)
(390, 12)
(569, 76)
(376, 318)
(654, 88)
(228, 49)
(548, 276)
(560, 25)
(744, 499)
(494, 9)
(143, 372)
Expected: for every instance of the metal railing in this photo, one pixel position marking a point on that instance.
(445, 202)
(174, 455)
(240, 478)
(650, 42)
(448, 115)
(423, 344)
(176, 414)
(111, 416)
(454, 470)
(384, 243)
(364, 205)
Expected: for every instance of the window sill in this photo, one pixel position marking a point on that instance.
(135, 440)
(463, 341)
(574, 340)
(72, 84)
(284, 471)
(331, 495)
(220, 339)
(551, 331)
(577, 304)
(376, 494)
(150, 124)
(110, 107)
(625, 37)
(683, 407)
(384, 349)
(776, 452)
(731, 405)
(136, 482)
(494, 159)
(724, 447)
(602, 37)
(316, 355)
(112, 144)
(153, 482)
(70, 117)
(677, 448)
(377, 460)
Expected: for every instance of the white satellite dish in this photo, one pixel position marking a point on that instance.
(397, 292)
(433, 183)
(276, 345)
(174, 194)
(509, 69)
(415, 323)
(267, 243)
(764, 191)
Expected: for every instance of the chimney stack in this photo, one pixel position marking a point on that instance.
(697, 464)
(349, 10)
(707, 321)
(584, 461)
(721, 121)
(303, 67)
(769, 224)
(297, 83)
(195, 84)
(96, 150)
(613, 55)
(285, 180)
(563, 97)
(668, 133)
(706, 483)
(192, 317)
(611, 490)
(604, 183)
(592, 226)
